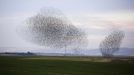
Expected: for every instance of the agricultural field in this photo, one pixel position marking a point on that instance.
(41, 65)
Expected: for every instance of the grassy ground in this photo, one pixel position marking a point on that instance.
(64, 66)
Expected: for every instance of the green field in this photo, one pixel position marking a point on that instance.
(64, 66)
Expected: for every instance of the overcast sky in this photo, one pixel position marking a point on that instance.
(96, 17)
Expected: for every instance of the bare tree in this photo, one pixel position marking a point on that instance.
(51, 28)
(111, 43)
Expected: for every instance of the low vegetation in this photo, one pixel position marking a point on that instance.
(30, 65)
